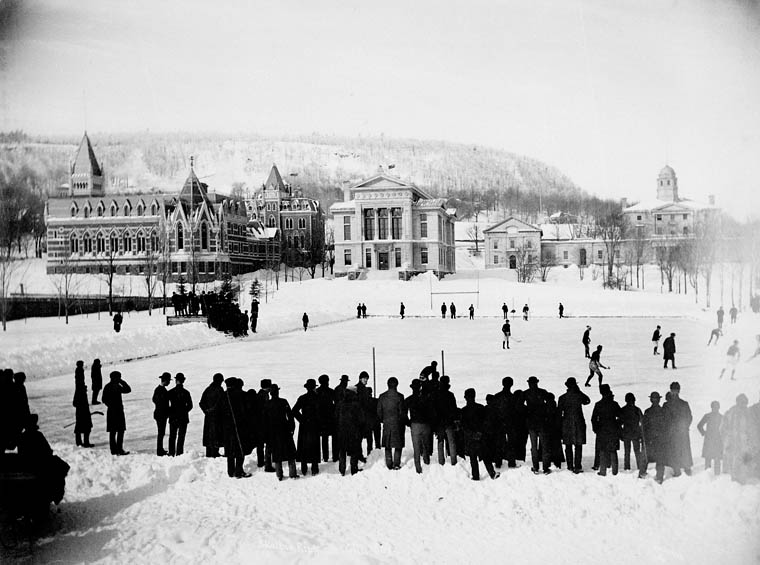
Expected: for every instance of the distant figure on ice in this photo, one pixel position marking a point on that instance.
(732, 314)
(96, 380)
(161, 411)
(472, 312)
(720, 315)
(593, 366)
(586, 340)
(561, 310)
(506, 331)
(305, 320)
(709, 428)
(505, 310)
(210, 405)
(118, 319)
(570, 407)
(180, 404)
(364, 310)
(656, 340)
(525, 312)
(453, 311)
(678, 418)
(444, 309)
(81, 403)
(116, 422)
(669, 351)
(359, 310)
(733, 355)
(715, 333)
(655, 431)
(402, 310)
(254, 314)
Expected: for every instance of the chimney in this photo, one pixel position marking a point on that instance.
(346, 194)
(711, 199)
(624, 203)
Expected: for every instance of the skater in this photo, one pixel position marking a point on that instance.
(525, 312)
(715, 333)
(364, 310)
(678, 418)
(279, 427)
(605, 421)
(254, 315)
(118, 319)
(402, 309)
(180, 405)
(655, 432)
(630, 420)
(453, 311)
(83, 424)
(709, 428)
(561, 310)
(473, 417)
(305, 320)
(210, 405)
(570, 407)
(306, 411)
(720, 315)
(443, 310)
(535, 399)
(505, 310)
(116, 422)
(593, 366)
(390, 412)
(96, 379)
(732, 314)
(586, 341)
(733, 355)
(472, 312)
(161, 411)
(669, 351)
(757, 349)
(359, 310)
(506, 331)
(656, 340)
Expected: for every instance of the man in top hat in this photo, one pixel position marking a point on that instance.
(210, 404)
(161, 411)
(326, 408)
(263, 451)
(306, 411)
(180, 404)
(570, 406)
(116, 422)
(654, 430)
(535, 418)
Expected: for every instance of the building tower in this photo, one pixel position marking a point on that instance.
(667, 185)
(86, 174)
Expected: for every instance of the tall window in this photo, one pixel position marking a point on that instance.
(154, 242)
(127, 243)
(86, 211)
(204, 235)
(395, 223)
(346, 256)
(127, 209)
(347, 229)
(270, 222)
(100, 246)
(87, 240)
(511, 243)
(100, 209)
(288, 223)
(113, 243)
(423, 255)
(423, 225)
(74, 244)
(140, 243)
(369, 223)
(180, 237)
(398, 257)
(382, 223)
(302, 223)
(368, 258)
(140, 209)
(495, 243)
(599, 254)
(564, 255)
(113, 209)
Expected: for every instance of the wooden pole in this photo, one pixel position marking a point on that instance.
(443, 364)
(374, 376)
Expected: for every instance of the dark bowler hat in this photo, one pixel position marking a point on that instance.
(274, 386)
(655, 394)
(232, 382)
(344, 378)
(532, 379)
(571, 382)
(180, 377)
(266, 383)
(165, 376)
(310, 384)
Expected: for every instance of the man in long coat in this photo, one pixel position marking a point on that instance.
(473, 423)
(535, 416)
(369, 409)
(116, 422)
(263, 451)
(669, 351)
(740, 456)
(391, 413)
(630, 420)
(654, 429)
(180, 405)
(570, 406)
(678, 418)
(605, 421)
(306, 411)
(420, 421)
(279, 430)
(348, 426)
(326, 407)
(447, 414)
(96, 378)
(161, 411)
(210, 399)
(81, 403)
(505, 405)
(233, 417)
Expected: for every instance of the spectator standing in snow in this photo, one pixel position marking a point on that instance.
(420, 420)
(570, 407)
(348, 425)
(453, 311)
(593, 366)
(732, 314)
(116, 422)
(306, 411)
(161, 411)
(561, 310)
(678, 418)
(506, 332)
(280, 427)
(715, 333)
(305, 320)
(656, 340)
(391, 413)
(402, 310)
(443, 310)
(326, 407)
(364, 310)
(209, 404)
(631, 418)
(96, 379)
(586, 341)
(739, 430)
(118, 319)
(473, 421)
(525, 312)
(180, 404)
(733, 355)
(254, 314)
(535, 399)
(605, 421)
(709, 428)
(655, 432)
(472, 312)
(720, 313)
(505, 310)
(359, 310)
(81, 403)
(669, 351)
(234, 420)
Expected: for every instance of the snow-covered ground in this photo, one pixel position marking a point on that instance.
(145, 509)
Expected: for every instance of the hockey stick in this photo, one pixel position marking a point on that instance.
(74, 423)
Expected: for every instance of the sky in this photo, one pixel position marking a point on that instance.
(608, 92)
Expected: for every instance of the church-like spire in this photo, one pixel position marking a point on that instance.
(86, 172)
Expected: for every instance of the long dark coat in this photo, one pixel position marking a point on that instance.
(505, 404)
(605, 421)
(709, 427)
(348, 423)
(210, 399)
(161, 402)
(180, 404)
(473, 418)
(112, 392)
(326, 406)
(82, 405)
(96, 377)
(678, 419)
(234, 422)
(254, 431)
(520, 428)
(535, 408)
(553, 431)
(655, 430)
(630, 420)
(391, 413)
(369, 407)
(280, 426)
(306, 411)
(669, 348)
(570, 407)
(493, 445)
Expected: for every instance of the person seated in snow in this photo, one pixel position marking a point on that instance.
(473, 417)
(38, 459)
(279, 430)
(709, 428)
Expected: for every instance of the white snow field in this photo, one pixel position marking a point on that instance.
(145, 509)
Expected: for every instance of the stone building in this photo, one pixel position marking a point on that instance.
(385, 223)
(511, 241)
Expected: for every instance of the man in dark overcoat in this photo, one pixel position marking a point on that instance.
(180, 404)
(473, 417)
(348, 426)
(326, 407)
(655, 432)
(630, 419)
(233, 417)
(263, 451)
(116, 422)
(605, 421)
(678, 419)
(306, 411)
(81, 404)
(535, 417)
(505, 403)
(391, 413)
(420, 420)
(209, 403)
(96, 379)
(570, 407)
(161, 411)
(279, 430)
(447, 414)
(669, 351)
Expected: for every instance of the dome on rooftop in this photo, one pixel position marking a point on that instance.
(667, 171)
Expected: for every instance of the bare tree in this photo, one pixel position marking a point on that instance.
(611, 229)
(66, 283)
(474, 233)
(548, 260)
(525, 263)
(107, 271)
(9, 266)
(667, 259)
(328, 257)
(150, 275)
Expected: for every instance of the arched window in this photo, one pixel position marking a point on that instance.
(127, 243)
(113, 243)
(127, 209)
(73, 209)
(288, 223)
(154, 242)
(153, 209)
(100, 246)
(180, 237)
(302, 223)
(512, 262)
(270, 222)
(74, 244)
(86, 211)
(140, 209)
(87, 241)
(114, 209)
(101, 208)
(204, 235)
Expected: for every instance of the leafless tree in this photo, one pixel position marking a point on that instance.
(667, 259)
(525, 263)
(473, 232)
(9, 267)
(150, 275)
(107, 271)
(611, 228)
(548, 260)
(66, 283)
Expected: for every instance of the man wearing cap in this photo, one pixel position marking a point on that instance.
(210, 399)
(116, 422)
(669, 351)
(678, 417)
(326, 408)
(180, 404)
(586, 340)
(570, 406)
(306, 411)
(280, 426)
(656, 340)
(654, 430)
(161, 411)
(605, 421)
(535, 417)
(263, 452)
(391, 413)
